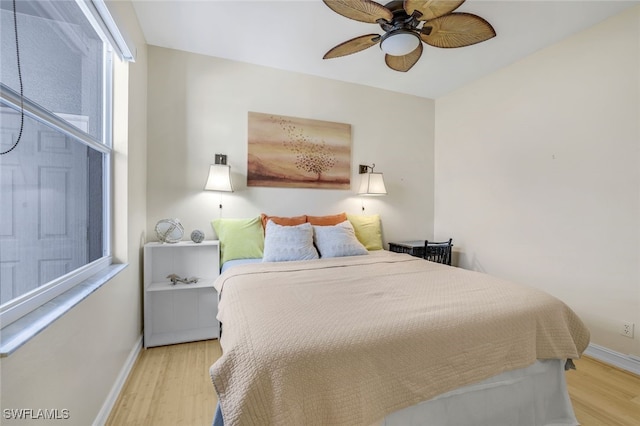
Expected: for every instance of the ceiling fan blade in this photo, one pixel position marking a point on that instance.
(456, 30)
(431, 9)
(360, 10)
(352, 46)
(404, 63)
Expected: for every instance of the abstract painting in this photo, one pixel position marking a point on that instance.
(298, 152)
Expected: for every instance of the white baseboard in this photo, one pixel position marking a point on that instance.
(626, 362)
(103, 415)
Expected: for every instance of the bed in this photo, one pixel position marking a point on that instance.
(389, 339)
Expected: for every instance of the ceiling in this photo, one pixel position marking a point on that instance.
(293, 35)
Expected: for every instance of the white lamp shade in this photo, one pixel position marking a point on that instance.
(219, 178)
(372, 184)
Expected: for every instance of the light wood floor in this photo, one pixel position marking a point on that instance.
(603, 395)
(170, 385)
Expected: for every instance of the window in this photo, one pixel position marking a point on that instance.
(54, 194)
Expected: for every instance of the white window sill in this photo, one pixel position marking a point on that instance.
(21, 331)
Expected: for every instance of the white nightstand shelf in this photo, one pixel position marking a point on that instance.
(181, 312)
(167, 286)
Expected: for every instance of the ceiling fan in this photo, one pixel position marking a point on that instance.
(406, 25)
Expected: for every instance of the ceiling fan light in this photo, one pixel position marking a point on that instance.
(399, 43)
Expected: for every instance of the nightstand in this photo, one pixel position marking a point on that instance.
(414, 248)
(177, 313)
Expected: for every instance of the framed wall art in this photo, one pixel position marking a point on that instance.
(298, 152)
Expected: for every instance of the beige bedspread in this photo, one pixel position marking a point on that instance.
(347, 341)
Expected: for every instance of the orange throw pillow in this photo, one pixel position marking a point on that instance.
(327, 220)
(284, 221)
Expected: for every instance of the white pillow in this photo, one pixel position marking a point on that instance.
(284, 243)
(336, 241)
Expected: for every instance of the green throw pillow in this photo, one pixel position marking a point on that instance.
(367, 230)
(239, 238)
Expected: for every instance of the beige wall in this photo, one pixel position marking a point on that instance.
(198, 107)
(74, 363)
(538, 174)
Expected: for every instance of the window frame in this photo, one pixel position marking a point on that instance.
(96, 13)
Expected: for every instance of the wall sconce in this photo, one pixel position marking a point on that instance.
(219, 176)
(372, 183)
